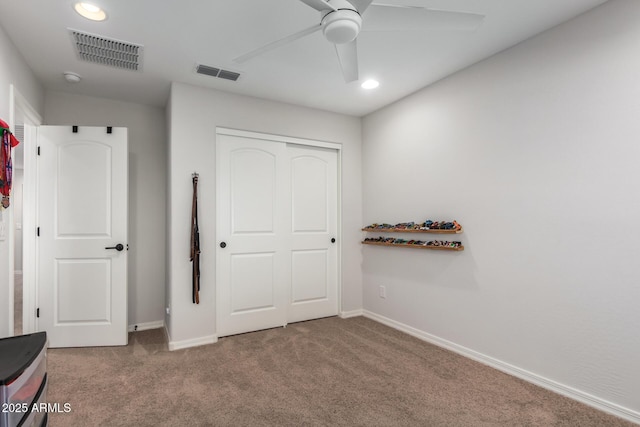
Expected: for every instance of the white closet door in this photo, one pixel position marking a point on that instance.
(253, 220)
(276, 210)
(314, 226)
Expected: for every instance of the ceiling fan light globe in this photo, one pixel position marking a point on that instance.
(342, 26)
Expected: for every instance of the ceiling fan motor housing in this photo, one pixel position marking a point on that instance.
(341, 26)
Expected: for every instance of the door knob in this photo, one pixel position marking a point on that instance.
(223, 245)
(119, 247)
(333, 240)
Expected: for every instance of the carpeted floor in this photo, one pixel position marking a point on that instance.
(327, 372)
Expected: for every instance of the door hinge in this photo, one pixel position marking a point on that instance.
(37, 312)
(38, 150)
(38, 231)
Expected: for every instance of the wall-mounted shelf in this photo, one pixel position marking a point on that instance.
(431, 227)
(412, 230)
(406, 245)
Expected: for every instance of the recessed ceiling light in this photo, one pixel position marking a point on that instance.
(90, 11)
(370, 84)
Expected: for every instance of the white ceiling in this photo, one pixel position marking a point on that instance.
(178, 35)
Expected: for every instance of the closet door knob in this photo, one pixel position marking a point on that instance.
(223, 245)
(333, 240)
(119, 247)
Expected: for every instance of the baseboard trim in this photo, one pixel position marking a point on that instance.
(352, 313)
(195, 342)
(507, 368)
(146, 326)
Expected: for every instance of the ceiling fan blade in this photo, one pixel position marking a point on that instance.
(360, 5)
(348, 57)
(319, 5)
(273, 45)
(387, 17)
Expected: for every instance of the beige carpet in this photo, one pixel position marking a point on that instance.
(327, 372)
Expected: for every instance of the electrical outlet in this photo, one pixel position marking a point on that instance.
(168, 310)
(383, 292)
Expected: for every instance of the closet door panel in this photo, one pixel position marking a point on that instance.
(314, 257)
(253, 264)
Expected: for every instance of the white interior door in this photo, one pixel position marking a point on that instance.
(276, 218)
(314, 227)
(252, 226)
(82, 212)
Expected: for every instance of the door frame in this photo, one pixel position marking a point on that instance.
(304, 142)
(18, 102)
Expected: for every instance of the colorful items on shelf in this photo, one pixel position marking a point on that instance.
(442, 225)
(427, 225)
(445, 244)
(380, 226)
(394, 241)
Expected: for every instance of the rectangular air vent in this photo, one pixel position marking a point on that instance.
(105, 51)
(217, 72)
(208, 71)
(229, 75)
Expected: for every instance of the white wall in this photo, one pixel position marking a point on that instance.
(195, 113)
(147, 189)
(535, 152)
(13, 70)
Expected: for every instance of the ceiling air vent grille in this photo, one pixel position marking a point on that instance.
(104, 51)
(208, 71)
(229, 75)
(217, 72)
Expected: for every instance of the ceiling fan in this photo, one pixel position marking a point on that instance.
(342, 20)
